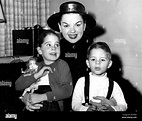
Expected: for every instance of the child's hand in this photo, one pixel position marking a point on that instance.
(104, 100)
(29, 106)
(37, 98)
(96, 107)
(34, 87)
(105, 104)
(102, 108)
(92, 108)
(105, 107)
(34, 98)
(42, 72)
(95, 104)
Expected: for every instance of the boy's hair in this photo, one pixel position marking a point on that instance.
(44, 34)
(101, 45)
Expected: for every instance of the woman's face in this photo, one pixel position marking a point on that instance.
(72, 27)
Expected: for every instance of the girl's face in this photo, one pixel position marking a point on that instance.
(72, 27)
(98, 61)
(50, 49)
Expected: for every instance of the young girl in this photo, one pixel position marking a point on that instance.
(98, 60)
(53, 76)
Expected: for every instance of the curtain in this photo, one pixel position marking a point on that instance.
(20, 14)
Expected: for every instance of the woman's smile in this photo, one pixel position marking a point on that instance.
(72, 36)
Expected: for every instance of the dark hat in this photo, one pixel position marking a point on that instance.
(71, 7)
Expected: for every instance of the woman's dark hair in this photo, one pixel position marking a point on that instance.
(101, 45)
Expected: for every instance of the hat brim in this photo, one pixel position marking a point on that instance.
(54, 19)
(92, 28)
(96, 31)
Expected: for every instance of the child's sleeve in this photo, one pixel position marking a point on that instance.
(62, 86)
(119, 97)
(24, 81)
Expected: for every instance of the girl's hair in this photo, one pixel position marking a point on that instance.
(101, 45)
(44, 34)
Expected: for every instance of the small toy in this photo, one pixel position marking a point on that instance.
(32, 67)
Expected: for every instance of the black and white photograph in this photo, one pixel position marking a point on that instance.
(73, 58)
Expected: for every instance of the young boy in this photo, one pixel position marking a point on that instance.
(52, 77)
(98, 60)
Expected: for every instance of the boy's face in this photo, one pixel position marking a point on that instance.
(72, 27)
(50, 48)
(98, 61)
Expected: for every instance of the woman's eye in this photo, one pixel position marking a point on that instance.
(78, 25)
(65, 26)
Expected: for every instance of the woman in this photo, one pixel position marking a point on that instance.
(74, 24)
(78, 30)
